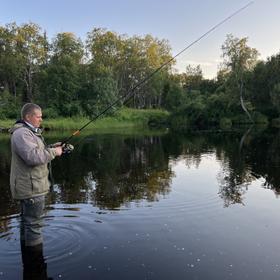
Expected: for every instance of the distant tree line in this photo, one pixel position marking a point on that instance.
(69, 77)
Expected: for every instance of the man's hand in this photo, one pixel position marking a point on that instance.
(57, 144)
(58, 150)
(66, 148)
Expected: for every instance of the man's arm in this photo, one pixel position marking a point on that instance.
(26, 147)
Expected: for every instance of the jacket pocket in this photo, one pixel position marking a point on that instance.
(22, 187)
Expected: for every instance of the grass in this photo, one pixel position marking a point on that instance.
(124, 118)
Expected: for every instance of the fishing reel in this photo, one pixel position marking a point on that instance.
(67, 148)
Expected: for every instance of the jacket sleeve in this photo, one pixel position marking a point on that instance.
(26, 146)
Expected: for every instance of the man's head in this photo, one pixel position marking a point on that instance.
(32, 113)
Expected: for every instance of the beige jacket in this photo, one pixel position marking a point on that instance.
(29, 175)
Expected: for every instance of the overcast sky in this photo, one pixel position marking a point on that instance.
(179, 21)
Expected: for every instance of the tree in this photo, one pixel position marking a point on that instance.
(192, 78)
(62, 79)
(239, 58)
(66, 44)
(11, 63)
(129, 61)
(30, 45)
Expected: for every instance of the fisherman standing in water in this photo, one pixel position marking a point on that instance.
(30, 174)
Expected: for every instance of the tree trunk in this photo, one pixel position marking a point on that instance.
(28, 83)
(242, 102)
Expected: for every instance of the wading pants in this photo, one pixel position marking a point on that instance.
(32, 211)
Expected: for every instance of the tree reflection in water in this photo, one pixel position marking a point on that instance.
(112, 170)
(115, 170)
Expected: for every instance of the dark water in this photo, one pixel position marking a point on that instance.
(155, 206)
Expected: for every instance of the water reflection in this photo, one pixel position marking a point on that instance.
(112, 170)
(34, 264)
(179, 190)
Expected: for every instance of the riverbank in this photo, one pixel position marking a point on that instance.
(124, 118)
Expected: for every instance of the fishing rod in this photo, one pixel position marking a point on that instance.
(130, 93)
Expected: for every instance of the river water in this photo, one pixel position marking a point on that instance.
(154, 205)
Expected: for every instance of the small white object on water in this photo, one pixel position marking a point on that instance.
(90, 267)
(59, 275)
(1, 273)
(70, 253)
(198, 260)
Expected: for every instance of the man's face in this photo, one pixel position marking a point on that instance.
(35, 119)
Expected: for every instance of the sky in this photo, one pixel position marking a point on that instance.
(180, 22)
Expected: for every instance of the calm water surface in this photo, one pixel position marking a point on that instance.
(155, 206)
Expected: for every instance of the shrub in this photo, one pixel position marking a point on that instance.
(260, 118)
(225, 123)
(275, 122)
(50, 113)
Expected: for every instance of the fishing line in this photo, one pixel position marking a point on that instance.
(132, 91)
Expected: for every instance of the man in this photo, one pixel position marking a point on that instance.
(29, 178)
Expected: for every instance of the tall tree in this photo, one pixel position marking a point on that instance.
(128, 61)
(192, 78)
(11, 62)
(31, 46)
(239, 58)
(62, 80)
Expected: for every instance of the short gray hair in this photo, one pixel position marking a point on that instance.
(28, 109)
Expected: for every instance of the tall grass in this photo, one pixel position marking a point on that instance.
(124, 118)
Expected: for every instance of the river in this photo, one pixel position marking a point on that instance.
(155, 205)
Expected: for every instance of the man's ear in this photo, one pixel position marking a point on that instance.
(27, 117)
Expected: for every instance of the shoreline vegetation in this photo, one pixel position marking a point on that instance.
(127, 120)
(73, 80)
(122, 119)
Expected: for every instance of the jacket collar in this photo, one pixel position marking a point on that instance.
(21, 123)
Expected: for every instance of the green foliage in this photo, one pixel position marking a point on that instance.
(98, 95)
(260, 118)
(172, 96)
(275, 96)
(179, 122)
(123, 118)
(192, 79)
(275, 122)
(67, 45)
(225, 123)
(146, 117)
(8, 106)
(71, 78)
(50, 113)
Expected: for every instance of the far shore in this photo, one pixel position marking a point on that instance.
(125, 118)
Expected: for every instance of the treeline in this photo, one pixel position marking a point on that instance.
(69, 77)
